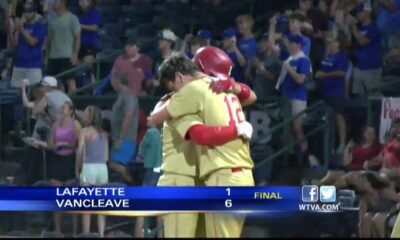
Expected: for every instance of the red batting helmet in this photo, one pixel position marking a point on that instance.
(213, 61)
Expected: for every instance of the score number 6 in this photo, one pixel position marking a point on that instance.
(228, 202)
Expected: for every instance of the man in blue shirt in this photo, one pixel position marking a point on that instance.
(292, 82)
(247, 43)
(333, 84)
(30, 39)
(238, 60)
(388, 21)
(368, 66)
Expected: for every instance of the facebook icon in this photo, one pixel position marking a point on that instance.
(309, 194)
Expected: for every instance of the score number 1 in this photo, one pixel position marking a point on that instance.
(228, 202)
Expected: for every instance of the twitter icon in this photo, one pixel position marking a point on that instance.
(327, 194)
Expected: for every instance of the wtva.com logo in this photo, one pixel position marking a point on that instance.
(313, 195)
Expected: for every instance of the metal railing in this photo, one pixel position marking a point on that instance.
(285, 125)
(97, 62)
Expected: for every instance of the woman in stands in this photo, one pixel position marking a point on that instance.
(355, 159)
(43, 121)
(378, 199)
(40, 132)
(63, 141)
(92, 155)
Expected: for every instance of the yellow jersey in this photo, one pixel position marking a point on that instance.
(196, 98)
(179, 156)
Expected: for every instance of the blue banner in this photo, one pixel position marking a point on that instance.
(235, 199)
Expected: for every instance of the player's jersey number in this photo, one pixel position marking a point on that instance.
(233, 106)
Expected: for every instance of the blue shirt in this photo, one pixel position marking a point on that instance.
(334, 87)
(237, 70)
(31, 56)
(248, 47)
(389, 21)
(306, 48)
(290, 88)
(89, 18)
(370, 56)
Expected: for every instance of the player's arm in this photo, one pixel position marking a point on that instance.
(190, 127)
(244, 93)
(215, 135)
(188, 100)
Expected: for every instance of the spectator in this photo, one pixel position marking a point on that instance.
(230, 46)
(30, 41)
(52, 101)
(62, 141)
(332, 84)
(49, 11)
(150, 152)
(194, 44)
(296, 23)
(6, 72)
(247, 43)
(63, 44)
(368, 66)
(124, 126)
(349, 6)
(388, 21)
(353, 160)
(319, 21)
(43, 120)
(389, 159)
(205, 35)
(268, 70)
(136, 65)
(34, 160)
(197, 43)
(292, 83)
(92, 155)
(90, 20)
(356, 156)
(378, 200)
(166, 43)
(340, 28)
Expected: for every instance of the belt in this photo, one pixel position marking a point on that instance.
(234, 170)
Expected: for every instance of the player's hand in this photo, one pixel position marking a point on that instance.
(245, 130)
(222, 85)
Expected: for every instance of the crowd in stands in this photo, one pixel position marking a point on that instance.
(334, 50)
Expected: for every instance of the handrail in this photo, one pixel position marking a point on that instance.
(84, 65)
(380, 86)
(289, 120)
(325, 126)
